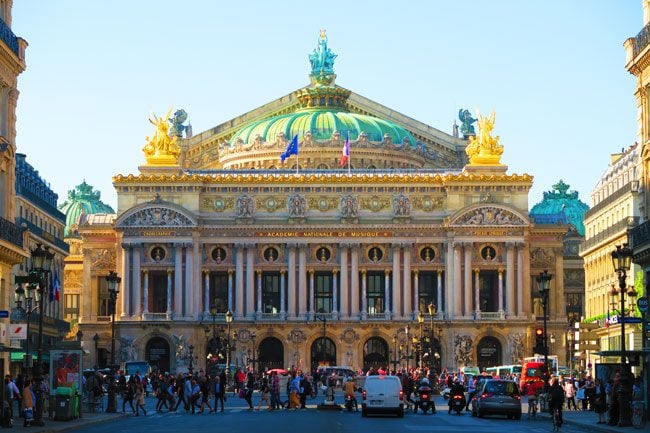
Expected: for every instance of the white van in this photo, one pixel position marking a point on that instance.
(382, 394)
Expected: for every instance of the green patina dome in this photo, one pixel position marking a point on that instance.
(81, 200)
(561, 206)
(321, 124)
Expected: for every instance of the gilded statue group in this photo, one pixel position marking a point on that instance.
(162, 145)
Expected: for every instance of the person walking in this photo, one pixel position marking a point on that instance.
(600, 401)
(265, 392)
(275, 391)
(205, 394)
(195, 395)
(248, 389)
(139, 399)
(11, 394)
(219, 391)
(557, 400)
(570, 394)
(128, 393)
(180, 392)
(28, 404)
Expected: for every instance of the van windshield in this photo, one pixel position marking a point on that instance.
(533, 372)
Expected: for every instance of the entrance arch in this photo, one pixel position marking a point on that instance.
(271, 355)
(157, 354)
(375, 353)
(323, 352)
(488, 352)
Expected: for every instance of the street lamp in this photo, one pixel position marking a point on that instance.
(42, 259)
(432, 312)
(113, 281)
(228, 347)
(252, 356)
(408, 346)
(395, 353)
(622, 261)
(190, 368)
(96, 341)
(421, 341)
(544, 285)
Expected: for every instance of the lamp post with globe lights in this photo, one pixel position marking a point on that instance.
(544, 286)
(113, 281)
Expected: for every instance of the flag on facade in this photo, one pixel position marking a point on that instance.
(292, 148)
(346, 151)
(607, 320)
(57, 287)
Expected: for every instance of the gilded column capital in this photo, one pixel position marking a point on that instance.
(230, 272)
(311, 271)
(145, 271)
(386, 272)
(477, 271)
(439, 271)
(283, 271)
(258, 272)
(363, 271)
(335, 271)
(416, 272)
(169, 271)
(501, 271)
(205, 271)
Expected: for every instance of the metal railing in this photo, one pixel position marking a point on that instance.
(8, 37)
(641, 40)
(640, 235)
(10, 232)
(617, 229)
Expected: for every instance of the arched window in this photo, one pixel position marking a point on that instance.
(375, 353)
(323, 352)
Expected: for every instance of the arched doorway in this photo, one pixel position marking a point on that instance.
(323, 352)
(157, 354)
(488, 353)
(271, 352)
(375, 353)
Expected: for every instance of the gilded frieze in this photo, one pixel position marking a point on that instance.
(542, 258)
(218, 204)
(271, 204)
(102, 258)
(323, 203)
(489, 215)
(375, 203)
(428, 203)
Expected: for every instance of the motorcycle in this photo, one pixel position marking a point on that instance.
(423, 400)
(350, 403)
(458, 403)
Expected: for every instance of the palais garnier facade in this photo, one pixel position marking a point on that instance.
(417, 250)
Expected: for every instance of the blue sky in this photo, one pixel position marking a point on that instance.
(554, 72)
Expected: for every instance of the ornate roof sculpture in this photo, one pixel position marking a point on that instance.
(561, 206)
(323, 115)
(81, 200)
(483, 149)
(162, 148)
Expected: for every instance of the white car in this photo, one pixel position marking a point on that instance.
(382, 394)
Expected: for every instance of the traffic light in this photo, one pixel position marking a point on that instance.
(539, 341)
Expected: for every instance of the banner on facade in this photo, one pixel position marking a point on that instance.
(17, 331)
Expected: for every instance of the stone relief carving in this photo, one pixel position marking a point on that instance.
(73, 279)
(517, 344)
(102, 258)
(297, 206)
(349, 336)
(542, 257)
(181, 346)
(271, 204)
(463, 350)
(489, 216)
(375, 203)
(574, 278)
(219, 204)
(427, 203)
(323, 204)
(401, 206)
(245, 206)
(128, 349)
(296, 336)
(157, 216)
(349, 206)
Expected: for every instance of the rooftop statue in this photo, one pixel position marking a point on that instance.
(161, 149)
(180, 116)
(322, 59)
(484, 149)
(466, 119)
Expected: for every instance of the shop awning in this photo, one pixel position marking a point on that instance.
(18, 356)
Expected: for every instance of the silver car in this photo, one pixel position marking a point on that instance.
(497, 397)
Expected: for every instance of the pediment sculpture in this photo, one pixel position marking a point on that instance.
(489, 216)
(157, 217)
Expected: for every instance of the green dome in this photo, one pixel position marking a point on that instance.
(81, 200)
(560, 206)
(322, 124)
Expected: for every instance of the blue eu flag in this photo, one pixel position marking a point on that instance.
(292, 148)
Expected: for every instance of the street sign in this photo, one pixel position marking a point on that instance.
(4, 314)
(589, 325)
(588, 347)
(632, 320)
(642, 303)
(588, 336)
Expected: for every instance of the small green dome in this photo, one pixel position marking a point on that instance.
(322, 124)
(560, 206)
(81, 200)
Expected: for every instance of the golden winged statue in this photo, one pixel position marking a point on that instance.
(483, 149)
(161, 149)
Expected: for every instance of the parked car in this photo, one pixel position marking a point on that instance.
(497, 397)
(382, 394)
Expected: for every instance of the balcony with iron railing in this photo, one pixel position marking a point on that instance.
(618, 229)
(641, 40)
(11, 233)
(9, 38)
(57, 242)
(640, 237)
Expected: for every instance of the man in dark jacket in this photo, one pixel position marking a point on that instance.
(557, 398)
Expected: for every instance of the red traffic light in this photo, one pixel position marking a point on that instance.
(539, 332)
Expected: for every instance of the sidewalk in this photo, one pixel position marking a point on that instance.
(586, 419)
(59, 426)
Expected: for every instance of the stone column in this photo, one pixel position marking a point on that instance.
(177, 308)
(335, 295)
(556, 306)
(354, 283)
(188, 298)
(169, 312)
(387, 294)
(311, 294)
(397, 290)
(283, 289)
(467, 290)
(458, 282)
(291, 305)
(477, 294)
(145, 303)
(126, 287)
(520, 279)
(439, 292)
(500, 290)
(510, 279)
(302, 281)
(239, 282)
(345, 288)
(195, 278)
(364, 296)
(525, 288)
(230, 289)
(250, 282)
(206, 293)
(416, 293)
(137, 283)
(259, 294)
(411, 308)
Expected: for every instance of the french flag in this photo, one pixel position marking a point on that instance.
(346, 151)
